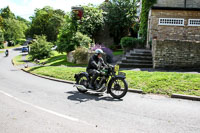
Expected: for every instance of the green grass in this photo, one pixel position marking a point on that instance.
(118, 52)
(164, 83)
(59, 59)
(1, 51)
(17, 60)
(60, 72)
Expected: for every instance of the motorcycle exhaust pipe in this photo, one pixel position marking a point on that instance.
(81, 87)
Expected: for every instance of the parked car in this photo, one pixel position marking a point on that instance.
(24, 49)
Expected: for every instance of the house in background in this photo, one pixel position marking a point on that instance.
(174, 30)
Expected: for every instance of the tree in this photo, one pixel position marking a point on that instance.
(14, 29)
(6, 13)
(146, 5)
(46, 21)
(91, 22)
(1, 37)
(23, 20)
(120, 15)
(65, 41)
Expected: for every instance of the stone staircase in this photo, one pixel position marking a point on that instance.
(137, 58)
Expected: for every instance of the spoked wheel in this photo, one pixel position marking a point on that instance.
(118, 88)
(82, 81)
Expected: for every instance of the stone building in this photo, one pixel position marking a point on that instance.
(174, 30)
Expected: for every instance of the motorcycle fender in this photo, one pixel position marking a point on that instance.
(76, 76)
(111, 80)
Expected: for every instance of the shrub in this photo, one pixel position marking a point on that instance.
(131, 42)
(109, 54)
(40, 48)
(80, 54)
(82, 40)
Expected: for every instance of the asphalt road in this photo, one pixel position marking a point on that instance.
(29, 104)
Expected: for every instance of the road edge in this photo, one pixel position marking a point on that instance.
(188, 97)
(178, 96)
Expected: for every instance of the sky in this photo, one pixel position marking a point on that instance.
(25, 8)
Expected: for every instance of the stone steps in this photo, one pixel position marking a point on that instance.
(137, 58)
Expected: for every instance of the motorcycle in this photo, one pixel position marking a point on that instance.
(6, 53)
(110, 80)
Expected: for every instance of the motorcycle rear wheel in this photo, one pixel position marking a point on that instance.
(83, 81)
(119, 88)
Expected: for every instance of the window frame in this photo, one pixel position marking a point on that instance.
(170, 20)
(189, 24)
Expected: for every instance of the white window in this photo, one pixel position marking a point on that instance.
(171, 21)
(194, 22)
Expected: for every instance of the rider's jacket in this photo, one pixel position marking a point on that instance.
(93, 62)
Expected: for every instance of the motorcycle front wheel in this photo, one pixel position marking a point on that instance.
(119, 88)
(83, 81)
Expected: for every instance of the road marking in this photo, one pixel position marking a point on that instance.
(46, 110)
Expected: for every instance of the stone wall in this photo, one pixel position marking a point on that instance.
(162, 32)
(175, 54)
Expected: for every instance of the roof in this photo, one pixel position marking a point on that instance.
(177, 4)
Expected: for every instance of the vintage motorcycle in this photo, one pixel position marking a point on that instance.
(6, 53)
(110, 80)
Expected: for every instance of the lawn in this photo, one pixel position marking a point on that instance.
(164, 83)
(1, 51)
(17, 60)
(58, 59)
(118, 52)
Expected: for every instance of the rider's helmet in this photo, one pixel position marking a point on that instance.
(98, 51)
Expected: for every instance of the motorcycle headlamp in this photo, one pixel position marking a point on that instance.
(116, 69)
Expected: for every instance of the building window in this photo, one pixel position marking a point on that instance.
(194, 22)
(171, 21)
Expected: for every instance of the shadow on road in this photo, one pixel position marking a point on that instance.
(84, 97)
(17, 49)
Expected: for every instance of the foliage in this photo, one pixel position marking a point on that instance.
(80, 54)
(14, 29)
(1, 37)
(6, 13)
(91, 22)
(146, 5)
(109, 53)
(40, 48)
(65, 41)
(120, 15)
(20, 41)
(130, 42)
(46, 21)
(81, 40)
(23, 20)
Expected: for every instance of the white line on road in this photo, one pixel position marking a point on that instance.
(46, 110)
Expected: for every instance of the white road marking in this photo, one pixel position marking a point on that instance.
(46, 110)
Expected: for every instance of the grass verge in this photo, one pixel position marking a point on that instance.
(118, 52)
(164, 83)
(17, 60)
(58, 59)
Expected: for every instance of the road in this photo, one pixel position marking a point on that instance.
(29, 104)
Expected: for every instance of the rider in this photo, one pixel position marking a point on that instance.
(6, 52)
(93, 66)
